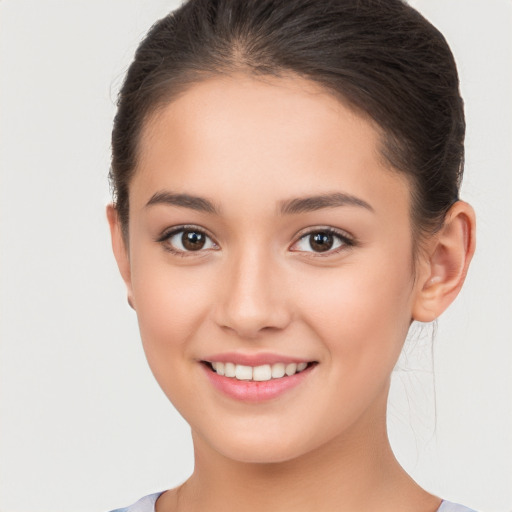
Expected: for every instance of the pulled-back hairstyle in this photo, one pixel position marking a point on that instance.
(380, 57)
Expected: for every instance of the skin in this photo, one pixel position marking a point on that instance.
(247, 146)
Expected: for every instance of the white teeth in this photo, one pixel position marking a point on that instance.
(229, 369)
(258, 373)
(291, 369)
(261, 373)
(278, 370)
(219, 368)
(243, 372)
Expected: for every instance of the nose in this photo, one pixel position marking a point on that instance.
(254, 296)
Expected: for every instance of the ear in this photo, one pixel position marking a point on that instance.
(120, 250)
(446, 263)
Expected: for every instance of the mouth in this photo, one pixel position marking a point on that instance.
(261, 373)
(257, 384)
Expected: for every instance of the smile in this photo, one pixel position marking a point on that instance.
(258, 383)
(260, 373)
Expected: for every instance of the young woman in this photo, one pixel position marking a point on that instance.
(286, 180)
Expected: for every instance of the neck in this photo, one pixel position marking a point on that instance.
(354, 472)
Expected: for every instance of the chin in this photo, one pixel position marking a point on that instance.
(257, 455)
(260, 449)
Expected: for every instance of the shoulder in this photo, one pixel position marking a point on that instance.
(145, 504)
(448, 506)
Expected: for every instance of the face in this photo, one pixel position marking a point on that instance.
(265, 236)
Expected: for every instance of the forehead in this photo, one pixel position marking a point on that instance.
(264, 137)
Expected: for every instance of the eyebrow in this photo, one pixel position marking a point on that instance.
(184, 200)
(288, 207)
(318, 202)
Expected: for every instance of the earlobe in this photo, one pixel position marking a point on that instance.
(120, 250)
(446, 265)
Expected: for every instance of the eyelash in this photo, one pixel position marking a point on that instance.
(167, 235)
(346, 240)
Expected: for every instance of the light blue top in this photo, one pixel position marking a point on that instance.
(147, 504)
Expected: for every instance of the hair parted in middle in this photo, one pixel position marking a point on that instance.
(380, 57)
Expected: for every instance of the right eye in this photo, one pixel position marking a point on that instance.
(186, 240)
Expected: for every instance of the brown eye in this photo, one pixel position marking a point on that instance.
(192, 240)
(321, 242)
(186, 240)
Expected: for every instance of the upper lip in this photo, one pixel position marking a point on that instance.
(254, 359)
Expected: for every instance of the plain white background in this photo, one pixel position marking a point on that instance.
(83, 425)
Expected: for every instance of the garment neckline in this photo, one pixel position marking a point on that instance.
(158, 494)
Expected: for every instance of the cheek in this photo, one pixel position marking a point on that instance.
(362, 311)
(170, 302)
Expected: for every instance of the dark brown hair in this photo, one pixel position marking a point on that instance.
(381, 57)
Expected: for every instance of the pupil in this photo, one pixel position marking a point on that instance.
(321, 242)
(192, 240)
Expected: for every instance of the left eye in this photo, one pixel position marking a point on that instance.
(321, 241)
(188, 240)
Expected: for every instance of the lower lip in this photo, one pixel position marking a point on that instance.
(251, 391)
